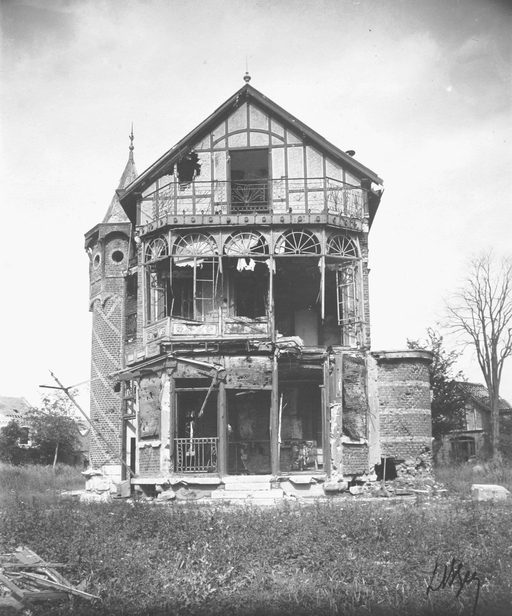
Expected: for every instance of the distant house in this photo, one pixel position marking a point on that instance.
(14, 409)
(17, 409)
(473, 438)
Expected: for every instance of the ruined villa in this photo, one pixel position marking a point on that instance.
(231, 322)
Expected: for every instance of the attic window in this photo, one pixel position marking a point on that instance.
(188, 168)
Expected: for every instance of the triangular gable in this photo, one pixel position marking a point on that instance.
(228, 127)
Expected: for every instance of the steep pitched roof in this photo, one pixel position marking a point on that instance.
(115, 212)
(479, 393)
(12, 408)
(247, 93)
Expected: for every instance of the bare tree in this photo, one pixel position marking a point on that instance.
(481, 311)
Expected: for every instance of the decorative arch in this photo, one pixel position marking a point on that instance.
(246, 243)
(341, 245)
(157, 248)
(195, 244)
(297, 242)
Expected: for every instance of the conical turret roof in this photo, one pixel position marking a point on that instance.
(115, 212)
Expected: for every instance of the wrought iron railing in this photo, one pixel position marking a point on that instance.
(196, 455)
(282, 196)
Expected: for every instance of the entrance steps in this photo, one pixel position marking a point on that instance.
(248, 487)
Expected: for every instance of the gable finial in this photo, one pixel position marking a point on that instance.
(131, 148)
(247, 77)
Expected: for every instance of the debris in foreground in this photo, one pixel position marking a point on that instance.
(26, 579)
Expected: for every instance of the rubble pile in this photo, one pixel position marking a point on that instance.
(26, 580)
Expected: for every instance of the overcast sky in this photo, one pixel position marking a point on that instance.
(421, 90)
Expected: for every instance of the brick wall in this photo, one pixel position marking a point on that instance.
(107, 295)
(149, 461)
(403, 389)
(355, 459)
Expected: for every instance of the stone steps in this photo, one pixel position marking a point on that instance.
(248, 494)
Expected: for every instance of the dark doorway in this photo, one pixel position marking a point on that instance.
(249, 181)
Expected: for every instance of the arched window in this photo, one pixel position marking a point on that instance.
(194, 277)
(245, 243)
(157, 279)
(157, 248)
(340, 245)
(195, 244)
(302, 242)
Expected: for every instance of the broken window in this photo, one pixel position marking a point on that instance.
(249, 180)
(194, 277)
(157, 279)
(463, 448)
(187, 169)
(343, 276)
(248, 274)
(297, 300)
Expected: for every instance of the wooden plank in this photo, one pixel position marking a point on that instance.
(16, 592)
(33, 565)
(55, 574)
(45, 595)
(50, 584)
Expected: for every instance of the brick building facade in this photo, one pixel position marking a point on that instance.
(231, 312)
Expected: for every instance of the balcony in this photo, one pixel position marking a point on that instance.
(196, 455)
(226, 327)
(298, 196)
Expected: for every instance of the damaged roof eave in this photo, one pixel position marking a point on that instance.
(129, 196)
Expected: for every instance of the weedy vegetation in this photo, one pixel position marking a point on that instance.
(345, 556)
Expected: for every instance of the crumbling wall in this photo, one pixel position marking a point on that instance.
(403, 389)
(355, 415)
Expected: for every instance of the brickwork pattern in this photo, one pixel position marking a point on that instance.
(355, 459)
(106, 359)
(149, 461)
(404, 403)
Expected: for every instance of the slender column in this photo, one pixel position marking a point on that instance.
(172, 424)
(274, 420)
(222, 430)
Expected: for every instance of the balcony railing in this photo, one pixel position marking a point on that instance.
(298, 195)
(196, 455)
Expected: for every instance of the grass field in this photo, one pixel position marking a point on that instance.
(345, 556)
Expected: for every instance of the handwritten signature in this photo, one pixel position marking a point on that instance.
(453, 577)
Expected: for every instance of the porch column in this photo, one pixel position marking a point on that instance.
(274, 420)
(222, 431)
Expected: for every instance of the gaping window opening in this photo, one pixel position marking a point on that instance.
(297, 298)
(248, 287)
(187, 169)
(249, 180)
(297, 242)
(157, 279)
